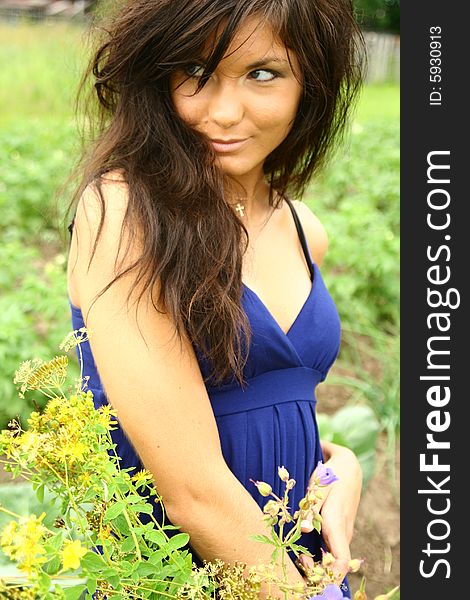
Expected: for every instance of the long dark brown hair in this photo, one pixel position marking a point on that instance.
(170, 169)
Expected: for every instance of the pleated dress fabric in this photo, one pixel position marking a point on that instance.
(272, 421)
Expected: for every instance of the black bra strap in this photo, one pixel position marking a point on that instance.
(303, 241)
(70, 227)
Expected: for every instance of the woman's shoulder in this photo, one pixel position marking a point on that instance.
(101, 245)
(109, 193)
(315, 232)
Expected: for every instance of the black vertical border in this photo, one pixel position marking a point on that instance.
(425, 129)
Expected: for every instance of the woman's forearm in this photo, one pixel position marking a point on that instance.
(220, 525)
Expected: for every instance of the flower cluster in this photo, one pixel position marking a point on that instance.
(23, 541)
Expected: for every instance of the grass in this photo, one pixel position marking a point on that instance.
(40, 68)
(379, 102)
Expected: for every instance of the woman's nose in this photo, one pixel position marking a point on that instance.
(226, 105)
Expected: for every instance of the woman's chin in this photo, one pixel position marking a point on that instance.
(234, 167)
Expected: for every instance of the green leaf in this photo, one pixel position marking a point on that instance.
(301, 549)
(55, 542)
(127, 545)
(75, 592)
(40, 493)
(127, 568)
(93, 562)
(157, 537)
(91, 585)
(89, 494)
(325, 428)
(114, 580)
(133, 498)
(262, 538)
(44, 580)
(143, 508)
(100, 429)
(145, 568)
(52, 567)
(114, 511)
(178, 541)
(359, 426)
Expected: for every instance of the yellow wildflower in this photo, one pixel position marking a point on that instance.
(49, 374)
(106, 416)
(141, 477)
(7, 536)
(22, 542)
(73, 451)
(71, 554)
(23, 373)
(74, 338)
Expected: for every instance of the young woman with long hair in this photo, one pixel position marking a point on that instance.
(194, 270)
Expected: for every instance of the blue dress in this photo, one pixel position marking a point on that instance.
(272, 422)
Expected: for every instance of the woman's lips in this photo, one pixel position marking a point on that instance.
(223, 146)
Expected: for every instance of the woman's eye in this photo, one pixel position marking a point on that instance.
(194, 70)
(263, 75)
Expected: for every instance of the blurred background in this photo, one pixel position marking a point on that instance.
(43, 51)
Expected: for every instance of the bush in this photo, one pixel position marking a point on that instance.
(359, 206)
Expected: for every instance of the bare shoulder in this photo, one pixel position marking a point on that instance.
(99, 246)
(110, 204)
(315, 232)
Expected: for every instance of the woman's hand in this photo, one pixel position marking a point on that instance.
(339, 506)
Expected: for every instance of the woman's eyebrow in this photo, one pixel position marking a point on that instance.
(266, 61)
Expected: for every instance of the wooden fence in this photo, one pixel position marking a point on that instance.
(383, 57)
(43, 9)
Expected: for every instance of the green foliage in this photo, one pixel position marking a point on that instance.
(34, 313)
(378, 15)
(355, 427)
(357, 199)
(36, 160)
(368, 350)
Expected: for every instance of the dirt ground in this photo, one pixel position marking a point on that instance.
(377, 532)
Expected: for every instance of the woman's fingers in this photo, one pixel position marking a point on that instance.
(306, 563)
(338, 546)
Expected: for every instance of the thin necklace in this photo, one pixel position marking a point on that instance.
(240, 209)
(258, 233)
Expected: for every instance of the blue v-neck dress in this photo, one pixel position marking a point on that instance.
(272, 421)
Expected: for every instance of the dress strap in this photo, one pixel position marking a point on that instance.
(302, 238)
(70, 227)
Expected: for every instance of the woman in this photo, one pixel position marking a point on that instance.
(197, 276)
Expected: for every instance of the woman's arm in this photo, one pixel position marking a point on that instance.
(157, 388)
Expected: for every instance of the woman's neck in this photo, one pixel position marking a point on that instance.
(250, 200)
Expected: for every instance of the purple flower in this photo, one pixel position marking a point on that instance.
(324, 474)
(331, 592)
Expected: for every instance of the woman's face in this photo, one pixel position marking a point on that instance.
(247, 107)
